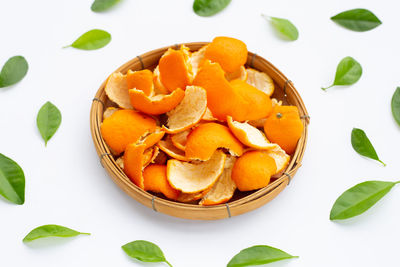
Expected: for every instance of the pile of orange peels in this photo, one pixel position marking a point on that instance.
(200, 125)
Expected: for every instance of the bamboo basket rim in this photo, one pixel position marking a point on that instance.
(235, 207)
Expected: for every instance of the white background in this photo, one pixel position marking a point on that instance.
(65, 183)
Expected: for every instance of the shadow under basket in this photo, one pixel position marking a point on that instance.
(242, 202)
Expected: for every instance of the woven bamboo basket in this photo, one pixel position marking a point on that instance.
(241, 202)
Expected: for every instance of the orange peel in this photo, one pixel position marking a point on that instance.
(193, 178)
(174, 69)
(253, 170)
(109, 111)
(124, 127)
(205, 139)
(140, 80)
(159, 88)
(189, 111)
(196, 59)
(281, 159)
(261, 81)
(208, 116)
(249, 135)
(134, 158)
(116, 89)
(224, 188)
(240, 74)
(192, 197)
(151, 138)
(155, 180)
(229, 52)
(168, 147)
(179, 140)
(157, 104)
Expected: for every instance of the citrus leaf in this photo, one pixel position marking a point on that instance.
(258, 255)
(362, 145)
(284, 27)
(13, 71)
(359, 199)
(348, 72)
(92, 40)
(48, 120)
(145, 251)
(12, 181)
(206, 8)
(359, 20)
(51, 230)
(103, 5)
(396, 105)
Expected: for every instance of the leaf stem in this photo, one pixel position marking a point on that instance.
(85, 233)
(169, 264)
(66, 46)
(324, 88)
(384, 165)
(398, 182)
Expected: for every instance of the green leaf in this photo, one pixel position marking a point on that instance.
(13, 71)
(284, 26)
(51, 230)
(359, 198)
(48, 120)
(206, 8)
(348, 72)
(103, 5)
(145, 251)
(362, 145)
(92, 40)
(12, 181)
(396, 105)
(258, 255)
(359, 20)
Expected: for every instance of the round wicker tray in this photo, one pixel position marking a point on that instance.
(242, 202)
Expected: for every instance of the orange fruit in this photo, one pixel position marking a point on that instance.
(191, 177)
(204, 140)
(252, 104)
(140, 80)
(155, 180)
(133, 163)
(249, 135)
(174, 70)
(230, 53)
(224, 188)
(124, 127)
(157, 104)
(253, 170)
(189, 111)
(116, 89)
(284, 127)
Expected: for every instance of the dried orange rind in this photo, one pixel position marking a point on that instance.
(168, 147)
(208, 116)
(240, 74)
(120, 162)
(193, 178)
(192, 197)
(134, 158)
(159, 88)
(124, 127)
(151, 138)
(179, 140)
(249, 135)
(261, 81)
(205, 139)
(230, 53)
(174, 69)
(157, 104)
(140, 80)
(149, 155)
(253, 170)
(155, 180)
(189, 111)
(260, 122)
(117, 90)
(108, 112)
(281, 160)
(196, 59)
(224, 188)
(161, 158)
